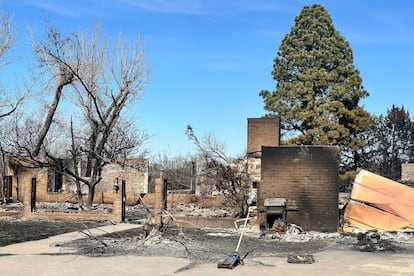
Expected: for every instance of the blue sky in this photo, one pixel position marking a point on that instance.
(210, 58)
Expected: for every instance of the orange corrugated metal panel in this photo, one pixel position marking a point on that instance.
(391, 203)
(384, 193)
(366, 217)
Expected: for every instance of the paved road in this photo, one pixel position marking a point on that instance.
(45, 257)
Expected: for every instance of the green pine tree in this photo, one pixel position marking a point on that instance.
(318, 88)
(391, 142)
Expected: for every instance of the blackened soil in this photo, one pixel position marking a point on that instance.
(197, 245)
(21, 230)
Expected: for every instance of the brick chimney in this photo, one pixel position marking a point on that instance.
(262, 132)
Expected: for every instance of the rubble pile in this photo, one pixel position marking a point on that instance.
(190, 210)
(278, 226)
(67, 207)
(16, 206)
(371, 241)
(403, 236)
(295, 233)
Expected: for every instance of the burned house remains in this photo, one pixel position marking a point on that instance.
(297, 184)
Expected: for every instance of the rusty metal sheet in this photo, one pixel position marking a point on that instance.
(379, 203)
(367, 217)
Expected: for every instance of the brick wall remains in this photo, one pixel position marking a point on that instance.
(114, 215)
(135, 175)
(307, 176)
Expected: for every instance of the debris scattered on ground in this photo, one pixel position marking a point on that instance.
(371, 242)
(300, 259)
(231, 261)
(295, 233)
(294, 229)
(191, 210)
(278, 226)
(15, 206)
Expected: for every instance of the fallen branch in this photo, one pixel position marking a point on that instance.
(90, 235)
(145, 205)
(166, 213)
(94, 237)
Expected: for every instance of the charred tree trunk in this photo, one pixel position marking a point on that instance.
(91, 195)
(2, 176)
(95, 178)
(75, 167)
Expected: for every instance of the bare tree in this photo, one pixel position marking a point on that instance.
(228, 176)
(102, 79)
(9, 100)
(126, 140)
(7, 34)
(178, 171)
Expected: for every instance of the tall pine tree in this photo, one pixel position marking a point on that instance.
(318, 88)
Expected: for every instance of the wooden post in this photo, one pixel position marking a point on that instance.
(29, 197)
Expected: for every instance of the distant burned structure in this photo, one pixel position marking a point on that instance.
(53, 185)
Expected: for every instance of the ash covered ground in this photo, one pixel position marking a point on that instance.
(21, 230)
(206, 244)
(201, 245)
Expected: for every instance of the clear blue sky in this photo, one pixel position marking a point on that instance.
(210, 58)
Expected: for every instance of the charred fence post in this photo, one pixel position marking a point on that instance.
(29, 197)
(123, 192)
(33, 195)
